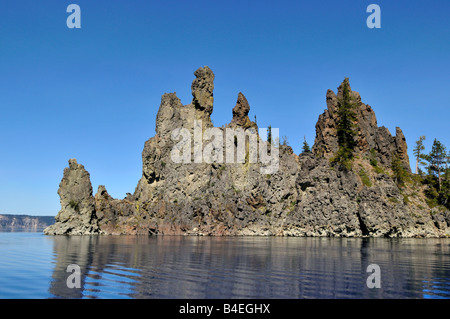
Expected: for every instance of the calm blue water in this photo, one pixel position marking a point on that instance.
(34, 266)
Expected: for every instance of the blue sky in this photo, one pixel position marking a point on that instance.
(93, 93)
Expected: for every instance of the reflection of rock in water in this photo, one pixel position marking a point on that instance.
(224, 267)
(71, 250)
(97, 257)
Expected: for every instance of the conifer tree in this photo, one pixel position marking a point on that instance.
(418, 151)
(269, 134)
(305, 147)
(438, 175)
(399, 171)
(445, 193)
(437, 159)
(346, 127)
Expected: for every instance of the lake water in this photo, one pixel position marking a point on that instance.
(33, 265)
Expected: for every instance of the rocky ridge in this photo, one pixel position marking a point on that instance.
(307, 196)
(25, 222)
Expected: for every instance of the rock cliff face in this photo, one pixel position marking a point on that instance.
(306, 196)
(77, 215)
(370, 137)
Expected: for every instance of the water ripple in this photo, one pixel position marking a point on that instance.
(34, 266)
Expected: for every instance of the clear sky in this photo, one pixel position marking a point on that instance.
(93, 93)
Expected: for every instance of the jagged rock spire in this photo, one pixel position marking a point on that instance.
(77, 215)
(305, 197)
(168, 116)
(202, 90)
(369, 138)
(240, 113)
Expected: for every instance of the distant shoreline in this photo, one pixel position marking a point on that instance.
(24, 222)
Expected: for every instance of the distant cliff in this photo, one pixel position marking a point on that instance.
(25, 222)
(280, 194)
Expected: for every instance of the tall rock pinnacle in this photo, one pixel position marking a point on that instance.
(77, 215)
(370, 138)
(184, 190)
(240, 113)
(202, 90)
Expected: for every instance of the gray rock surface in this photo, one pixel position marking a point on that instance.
(240, 114)
(307, 196)
(369, 137)
(77, 215)
(202, 92)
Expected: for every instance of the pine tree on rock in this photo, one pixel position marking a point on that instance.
(305, 147)
(269, 134)
(418, 152)
(346, 127)
(437, 159)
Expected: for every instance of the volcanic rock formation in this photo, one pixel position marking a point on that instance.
(77, 215)
(369, 135)
(308, 195)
